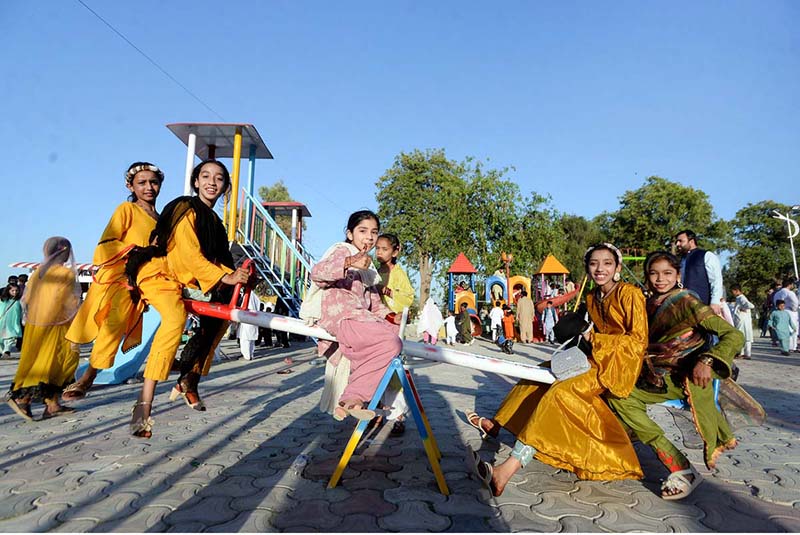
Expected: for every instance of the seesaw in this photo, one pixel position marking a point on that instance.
(396, 368)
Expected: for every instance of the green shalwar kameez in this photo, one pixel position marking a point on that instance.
(679, 328)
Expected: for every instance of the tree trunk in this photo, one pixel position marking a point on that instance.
(425, 276)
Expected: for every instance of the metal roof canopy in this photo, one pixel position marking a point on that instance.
(220, 136)
(286, 208)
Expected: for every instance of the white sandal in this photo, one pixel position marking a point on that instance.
(471, 415)
(680, 482)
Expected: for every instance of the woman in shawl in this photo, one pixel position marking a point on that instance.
(189, 251)
(108, 314)
(10, 319)
(48, 360)
(681, 365)
(568, 424)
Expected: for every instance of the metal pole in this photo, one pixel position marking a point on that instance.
(187, 178)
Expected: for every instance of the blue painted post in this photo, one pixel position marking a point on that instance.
(251, 178)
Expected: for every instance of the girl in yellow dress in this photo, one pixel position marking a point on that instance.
(568, 424)
(48, 360)
(189, 251)
(108, 314)
(397, 294)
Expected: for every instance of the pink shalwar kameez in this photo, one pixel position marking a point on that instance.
(354, 313)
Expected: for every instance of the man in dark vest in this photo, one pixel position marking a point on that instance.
(701, 271)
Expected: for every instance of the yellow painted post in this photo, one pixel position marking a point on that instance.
(348, 452)
(237, 164)
(578, 297)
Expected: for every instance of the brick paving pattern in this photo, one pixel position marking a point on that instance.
(227, 470)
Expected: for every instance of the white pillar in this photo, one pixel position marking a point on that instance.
(187, 180)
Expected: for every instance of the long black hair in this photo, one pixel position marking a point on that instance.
(362, 215)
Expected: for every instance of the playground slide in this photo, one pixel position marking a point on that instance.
(126, 365)
(557, 301)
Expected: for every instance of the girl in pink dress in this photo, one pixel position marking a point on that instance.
(350, 308)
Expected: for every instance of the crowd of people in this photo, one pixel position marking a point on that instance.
(669, 341)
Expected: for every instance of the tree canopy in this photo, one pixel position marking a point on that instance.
(439, 207)
(649, 217)
(762, 252)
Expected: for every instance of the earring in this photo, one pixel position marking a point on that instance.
(616, 277)
(680, 284)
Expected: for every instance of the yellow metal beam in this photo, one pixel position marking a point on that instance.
(233, 212)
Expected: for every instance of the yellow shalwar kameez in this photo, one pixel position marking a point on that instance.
(568, 422)
(398, 282)
(47, 361)
(161, 282)
(108, 314)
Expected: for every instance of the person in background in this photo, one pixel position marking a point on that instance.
(549, 320)
(496, 317)
(701, 270)
(743, 320)
(10, 319)
(525, 313)
(508, 323)
(430, 321)
(464, 322)
(789, 297)
(48, 360)
(783, 325)
(450, 328)
(248, 334)
(265, 333)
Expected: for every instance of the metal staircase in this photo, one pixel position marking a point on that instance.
(286, 267)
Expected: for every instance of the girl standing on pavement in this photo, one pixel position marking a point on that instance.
(108, 314)
(48, 360)
(10, 319)
(344, 300)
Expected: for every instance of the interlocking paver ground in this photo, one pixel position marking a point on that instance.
(226, 469)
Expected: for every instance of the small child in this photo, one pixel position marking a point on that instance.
(783, 325)
(395, 286)
(508, 322)
(549, 320)
(10, 319)
(496, 316)
(450, 328)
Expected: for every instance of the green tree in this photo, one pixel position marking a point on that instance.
(649, 217)
(761, 254)
(421, 200)
(579, 233)
(439, 207)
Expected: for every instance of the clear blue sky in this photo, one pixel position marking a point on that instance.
(584, 99)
